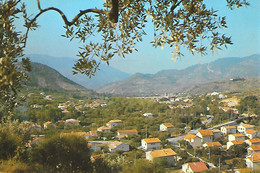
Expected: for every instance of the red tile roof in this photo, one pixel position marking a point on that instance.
(237, 142)
(255, 157)
(198, 166)
(167, 124)
(213, 144)
(190, 136)
(255, 147)
(250, 132)
(255, 140)
(151, 140)
(163, 153)
(206, 132)
(128, 131)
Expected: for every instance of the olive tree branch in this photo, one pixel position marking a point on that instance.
(66, 21)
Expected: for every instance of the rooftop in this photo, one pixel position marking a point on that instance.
(213, 144)
(47, 123)
(114, 121)
(254, 140)
(206, 132)
(255, 157)
(190, 136)
(167, 124)
(247, 126)
(104, 128)
(163, 153)
(255, 147)
(230, 127)
(251, 132)
(237, 142)
(151, 140)
(198, 166)
(238, 135)
(128, 131)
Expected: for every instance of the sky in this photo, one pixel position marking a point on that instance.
(243, 26)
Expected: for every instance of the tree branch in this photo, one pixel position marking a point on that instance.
(175, 4)
(66, 21)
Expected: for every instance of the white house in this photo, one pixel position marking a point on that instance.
(228, 130)
(168, 154)
(113, 123)
(126, 133)
(93, 133)
(193, 167)
(237, 136)
(194, 140)
(48, 124)
(254, 141)
(148, 115)
(251, 134)
(205, 135)
(212, 144)
(72, 122)
(253, 161)
(253, 149)
(166, 127)
(103, 129)
(231, 143)
(150, 143)
(116, 145)
(242, 128)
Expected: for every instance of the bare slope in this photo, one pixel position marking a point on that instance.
(45, 77)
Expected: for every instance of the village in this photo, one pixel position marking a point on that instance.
(114, 137)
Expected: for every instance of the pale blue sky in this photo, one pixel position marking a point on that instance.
(243, 26)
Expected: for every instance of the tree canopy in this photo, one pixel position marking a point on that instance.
(119, 25)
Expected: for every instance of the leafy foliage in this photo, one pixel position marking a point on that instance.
(63, 154)
(12, 75)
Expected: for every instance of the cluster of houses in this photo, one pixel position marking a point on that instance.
(236, 135)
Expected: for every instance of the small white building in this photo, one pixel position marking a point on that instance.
(254, 141)
(166, 127)
(104, 129)
(194, 140)
(253, 161)
(151, 143)
(205, 135)
(71, 122)
(228, 130)
(148, 115)
(212, 144)
(168, 154)
(49, 124)
(127, 133)
(251, 134)
(253, 149)
(231, 143)
(193, 167)
(113, 123)
(237, 136)
(242, 128)
(118, 146)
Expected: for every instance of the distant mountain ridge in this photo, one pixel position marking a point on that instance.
(176, 81)
(45, 77)
(63, 65)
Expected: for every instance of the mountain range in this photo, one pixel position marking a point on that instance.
(187, 80)
(196, 79)
(63, 65)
